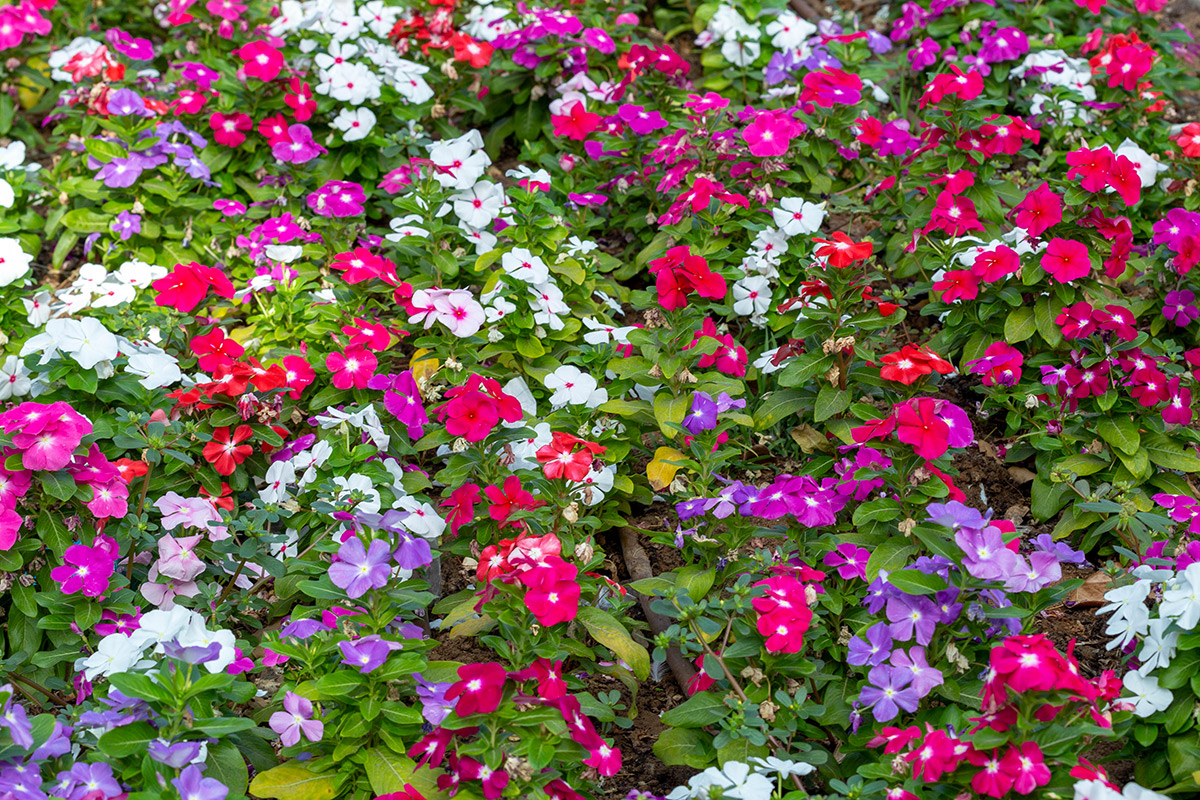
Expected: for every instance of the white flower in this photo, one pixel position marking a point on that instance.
(751, 296)
(1147, 166)
(14, 378)
(484, 241)
(139, 274)
(499, 309)
(548, 305)
(362, 484)
(600, 333)
(37, 309)
(115, 653)
(354, 123)
(770, 244)
(1183, 603)
(1158, 646)
(156, 369)
(85, 340)
(7, 195)
(402, 228)
(518, 389)
(463, 159)
(796, 215)
(14, 261)
(480, 205)
(160, 626)
(578, 247)
(741, 54)
(570, 385)
(1149, 695)
(422, 519)
(789, 31)
(12, 156)
(113, 293)
(1133, 791)
(197, 635)
(280, 474)
(779, 766)
(525, 266)
(352, 83)
(1095, 790)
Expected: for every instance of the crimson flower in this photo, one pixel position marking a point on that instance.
(225, 452)
(187, 285)
(680, 273)
(1066, 260)
(553, 593)
(1041, 209)
(562, 460)
(479, 688)
(918, 424)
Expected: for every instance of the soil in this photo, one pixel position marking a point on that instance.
(641, 769)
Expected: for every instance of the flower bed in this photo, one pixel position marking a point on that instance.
(734, 400)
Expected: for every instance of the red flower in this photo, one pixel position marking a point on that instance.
(1092, 166)
(479, 688)
(553, 593)
(352, 369)
(783, 614)
(958, 284)
(130, 469)
(299, 98)
(184, 288)
(1066, 260)
(912, 363)
(228, 129)
(992, 265)
(842, 252)
(462, 504)
(261, 60)
(214, 349)
(509, 499)
(225, 452)
(479, 54)
(577, 123)
(562, 460)
(679, 273)
(918, 424)
(274, 129)
(1041, 209)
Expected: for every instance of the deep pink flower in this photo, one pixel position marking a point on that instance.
(87, 569)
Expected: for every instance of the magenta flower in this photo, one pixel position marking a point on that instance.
(337, 199)
(87, 569)
(1179, 307)
(47, 435)
(403, 401)
(299, 146)
(768, 135)
(641, 121)
(849, 559)
(296, 719)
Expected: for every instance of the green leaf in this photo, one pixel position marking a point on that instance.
(226, 764)
(1044, 315)
(84, 220)
(778, 406)
(1166, 453)
(689, 747)
(53, 533)
(58, 484)
(670, 410)
(294, 780)
(1121, 433)
(605, 629)
(891, 555)
(1084, 464)
(911, 581)
(388, 772)
(1020, 325)
(831, 401)
(127, 739)
(140, 686)
(699, 710)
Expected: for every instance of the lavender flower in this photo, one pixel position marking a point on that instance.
(296, 719)
(874, 651)
(194, 786)
(358, 569)
(889, 692)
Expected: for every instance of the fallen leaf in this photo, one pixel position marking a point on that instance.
(1092, 592)
(660, 471)
(1021, 475)
(810, 439)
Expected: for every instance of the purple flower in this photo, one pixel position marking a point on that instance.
(1178, 307)
(727, 403)
(177, 755)
(194, 786)
(121, 173)
(889, 692)
(125, 102)
(924, 677)
(402, 400)
(303, 629)
(1061, 550)
(639, 120)
(59, 744)
(197, 73)
(691, 508)
(299, 147)
(368, 653)
(703, 416)
(128, 46)
(1040, 570)
(296, 719)
(782, 64)
(434, 705)
(878, 43)
(127, 224)
(879, 592)
(985, 555)
(1005, 44)
(195, 654)
(923, 55)
(956, 515)
(598, 39)
(229, 208)
(358, 569)
(912, 616)
(92, 778)
(21, 781)
(849, 559)
(17, 722)
(949, 609)
(874, 650)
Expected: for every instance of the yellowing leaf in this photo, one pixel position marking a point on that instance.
(242, 335)
(423, 367)
(293, 780)
(606, 630)
(660, 472)
(388, 772)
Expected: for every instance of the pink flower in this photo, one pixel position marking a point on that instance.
(177, 558)
(110, 499)
(298, 147)
(190, 512)
(228, 129)
(47, 434)
(1066, 260)
(1178, 410)
(768, 135)
(352, 369)
(831, 87)
(606, 760)
(1026, 766)
(87, 569)
(454, 308)
(296, 719)
(479, 688)
(262, 61)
